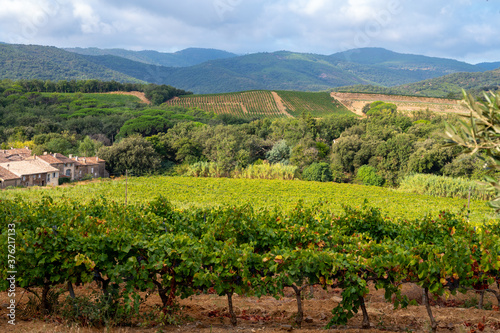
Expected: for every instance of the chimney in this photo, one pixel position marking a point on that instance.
(44, 153)
(70, 155)
(55, 154)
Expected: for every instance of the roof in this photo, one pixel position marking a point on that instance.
(88, 160)
(28, 167)
(54, 158)
(7, 175)
(48, 158)
(63, 159)
(23, 152)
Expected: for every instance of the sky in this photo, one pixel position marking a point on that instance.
(466, 30)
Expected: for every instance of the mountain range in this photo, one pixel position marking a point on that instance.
(216, 71)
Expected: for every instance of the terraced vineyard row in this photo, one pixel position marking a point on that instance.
(318, 104)
(251, 104)
(248, 104)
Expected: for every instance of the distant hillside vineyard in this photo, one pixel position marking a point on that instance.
(260, 103)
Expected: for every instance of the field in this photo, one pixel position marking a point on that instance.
(184, 192)
(195, 267)
(356, 101)
(319, 104)
(115, 98)
(254, 104)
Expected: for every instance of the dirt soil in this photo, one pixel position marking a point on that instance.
(280, 105)
(137, 94)
(208, 313)
(355, 102)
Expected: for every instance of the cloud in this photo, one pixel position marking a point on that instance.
(460, 30)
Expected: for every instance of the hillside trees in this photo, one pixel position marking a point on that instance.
(134, 154)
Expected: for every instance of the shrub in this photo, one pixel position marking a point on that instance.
(280, 153)
(319, 172)
(368, 176)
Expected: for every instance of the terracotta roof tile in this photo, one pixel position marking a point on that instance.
(15, 151)
(87, 160)
(7, 175)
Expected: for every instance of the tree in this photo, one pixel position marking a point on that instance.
(134, 154)
(280, 153)
(368, 175)
(89, 147)
(319, 172)
(479, 131)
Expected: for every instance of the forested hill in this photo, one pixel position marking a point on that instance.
(51, 63)
(449, 86)
(226, 72)
(183, 58)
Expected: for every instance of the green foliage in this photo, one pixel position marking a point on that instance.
(447, 86)
(444, 187)
(280, 153)
(89, 147)
(368, 176)
(479, 131)
(155, 248)
(318, 104)
(380, 108)
(145, 126)
(133, 154)
(186, 192)
(319, 172)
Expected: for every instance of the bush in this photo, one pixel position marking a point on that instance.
(64, 180)
(319, 172)
(280, 153)
(368, 176)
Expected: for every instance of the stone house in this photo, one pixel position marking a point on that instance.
(33, 172)
(93, 166)
(7, 178)
(65, 165)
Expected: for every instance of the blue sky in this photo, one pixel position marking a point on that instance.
(467, 30)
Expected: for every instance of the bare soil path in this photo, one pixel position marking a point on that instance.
(137, 94)
(280, 105)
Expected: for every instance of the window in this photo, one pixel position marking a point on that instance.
(92, 170)
(54, 175)
(39, 176)
(48, 177)
(24, 178)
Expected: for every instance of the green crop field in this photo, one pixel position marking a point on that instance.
(318, 104)
(100, 99)
(184, 192)
(251, 104)
(247, 104)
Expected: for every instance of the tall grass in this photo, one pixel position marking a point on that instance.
(261, 171)
(268, 171)
(441, 186)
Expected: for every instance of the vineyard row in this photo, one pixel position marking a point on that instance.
(177, 253)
